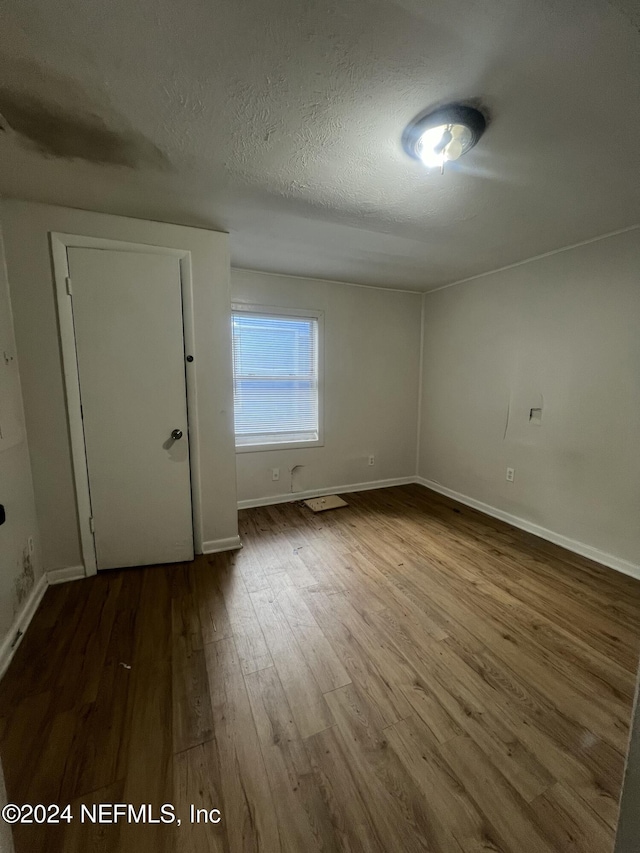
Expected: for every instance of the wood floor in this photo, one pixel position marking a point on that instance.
(403, 674)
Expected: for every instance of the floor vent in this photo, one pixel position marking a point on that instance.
(327, 502)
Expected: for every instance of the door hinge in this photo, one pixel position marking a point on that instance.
(92, 526)
(69, 288)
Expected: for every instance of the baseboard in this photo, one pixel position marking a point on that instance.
(69, 573)
(21, 623)
(329, 490)
(214, 546)
(620, 565)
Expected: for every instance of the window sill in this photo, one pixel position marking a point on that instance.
(280, 445)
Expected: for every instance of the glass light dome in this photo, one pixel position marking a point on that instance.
(444, 135)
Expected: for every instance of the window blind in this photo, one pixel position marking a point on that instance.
(275, 378)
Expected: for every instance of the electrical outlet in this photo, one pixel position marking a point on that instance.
(372, 460)
(511, 472)
(31, 545)
(275, 474)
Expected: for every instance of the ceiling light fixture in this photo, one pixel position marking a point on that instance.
(443, 135)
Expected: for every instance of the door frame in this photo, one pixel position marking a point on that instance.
(60, 243)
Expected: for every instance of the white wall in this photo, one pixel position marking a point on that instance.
(19, 570)
(561, 332)
(26, 228)
(372, 346)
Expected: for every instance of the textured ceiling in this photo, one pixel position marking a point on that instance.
(280, 121)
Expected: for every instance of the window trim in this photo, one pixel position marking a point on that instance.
(287, 313)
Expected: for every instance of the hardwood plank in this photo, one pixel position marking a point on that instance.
(424, 701)
(23, 733)
(398, 807)
(100, 734)
(374, 668)
(346, 802)
(33, 673)
(323, 662)
(457, 823)
(503, 809)
(321, 559)
(272, 550)
(192, 720)
(395, 603)
(249, 812)
(83, 665)
(299, 573)
(305, 698)
(450, 696)
(185, 609)
(88, 837)
(249, 639)
(55, 749)
(197, 782)
(214, 619)
(303, 818)
(146, 758)
(569, 824)
(486, 632)
(284, 555)
(279, 582)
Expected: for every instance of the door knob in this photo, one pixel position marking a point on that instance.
(176, 434)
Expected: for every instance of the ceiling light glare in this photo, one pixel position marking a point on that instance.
(431, 145)
(444, 135)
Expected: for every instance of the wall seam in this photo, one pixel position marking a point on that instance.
(327, 280)
(535, 258)
(420, 385)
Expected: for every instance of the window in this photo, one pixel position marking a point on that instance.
(275, 378)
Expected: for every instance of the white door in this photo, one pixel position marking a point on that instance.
(127, 314)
